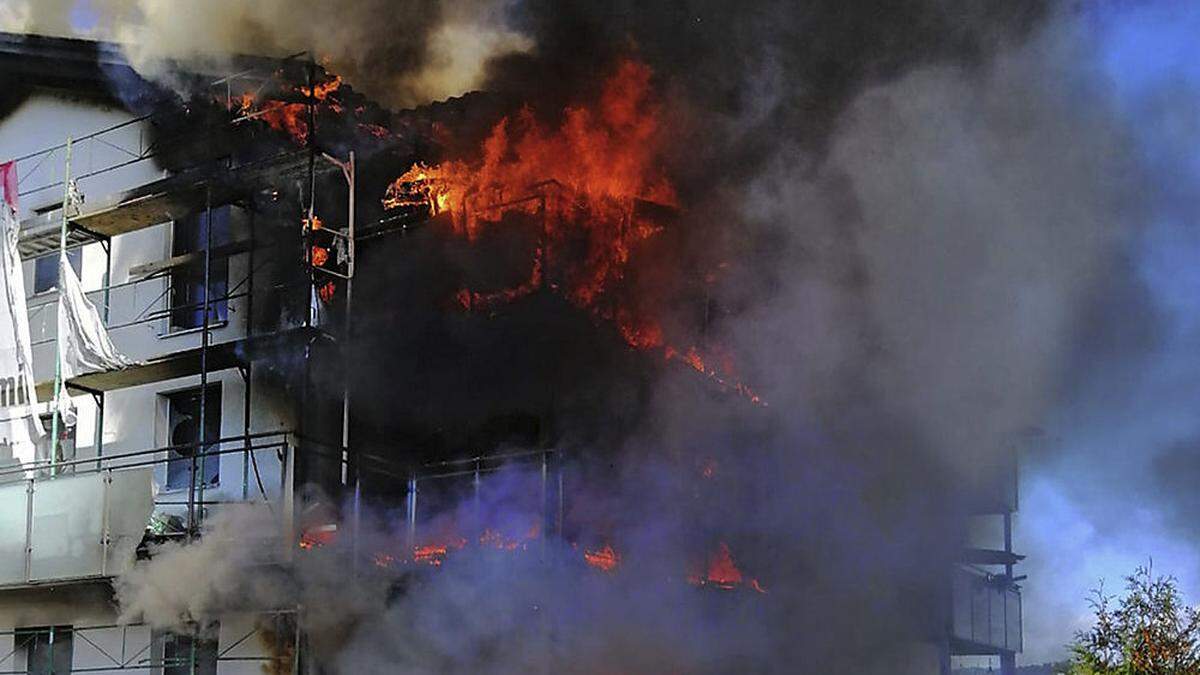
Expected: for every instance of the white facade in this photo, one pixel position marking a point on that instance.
(135, 419)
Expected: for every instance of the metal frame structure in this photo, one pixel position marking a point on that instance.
(141, 659)
(73, 230)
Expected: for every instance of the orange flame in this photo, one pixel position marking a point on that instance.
(722, 572)
(435, 553)
(605, 559)
(318, 536)
(291, 118)
(320, 255)
(584, 179)
(326, 291)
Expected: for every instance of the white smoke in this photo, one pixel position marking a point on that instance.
(193, 583)
(400, 53)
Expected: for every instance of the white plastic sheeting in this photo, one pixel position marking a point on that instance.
(19, 424)
(86, 347)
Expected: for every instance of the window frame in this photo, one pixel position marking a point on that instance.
(218, 281)
(160, 640)
(212, 465)
(26, 639)
(50, 260)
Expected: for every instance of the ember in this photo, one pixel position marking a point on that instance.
(320, 255)
(434, 554)
(605, 559)
(320, 535)
(722, 572)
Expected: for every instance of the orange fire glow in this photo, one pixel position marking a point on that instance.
(605, 559)
(320, 255)
(722, 572)
(584, 180)
(317, 536)
(434, 553)
(289, 117)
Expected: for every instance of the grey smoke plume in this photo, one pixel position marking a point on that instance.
(916, 206)
(220, 569)
(400, 53)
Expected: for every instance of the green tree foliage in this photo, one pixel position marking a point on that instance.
(1148, 631)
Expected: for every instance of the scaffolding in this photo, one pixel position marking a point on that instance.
(118, 648)
(144, 303)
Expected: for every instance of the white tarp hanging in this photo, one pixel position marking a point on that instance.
(86, 347)
(20, 427)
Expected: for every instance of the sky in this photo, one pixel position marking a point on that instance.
(1111, 483)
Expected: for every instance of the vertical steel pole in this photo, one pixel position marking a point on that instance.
(249, 373)
(356, 472)
(194, 494)
(99, 397)
(99, 442)
(545, 525)
(58, 338)
(559, 527)
(411, 515)
(1008, 535)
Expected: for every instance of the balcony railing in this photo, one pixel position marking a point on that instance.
(84, 518)
(241, 645)
(137, 314)
(986, 612)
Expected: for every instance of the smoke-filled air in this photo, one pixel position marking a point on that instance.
(803, 285)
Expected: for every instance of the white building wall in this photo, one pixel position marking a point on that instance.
(134, 418)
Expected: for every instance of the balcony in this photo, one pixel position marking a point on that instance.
(83, 519)
(986, 615)
(72, 527)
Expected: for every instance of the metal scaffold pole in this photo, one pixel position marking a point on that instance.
(58, 337)
(201, 448)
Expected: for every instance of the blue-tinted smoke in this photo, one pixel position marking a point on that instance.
(1113, 486)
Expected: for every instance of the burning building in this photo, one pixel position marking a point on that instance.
(457, 388)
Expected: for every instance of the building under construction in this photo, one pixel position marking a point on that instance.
(226, 240)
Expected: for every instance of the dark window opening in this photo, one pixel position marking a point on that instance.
(188, 291)
(45, 269)
(183, 419)
(48, 649)
(188, 654)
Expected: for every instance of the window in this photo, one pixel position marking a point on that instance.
(45, 269)
(47, 649)
(187, 654)
(187, 280)
(183, 423)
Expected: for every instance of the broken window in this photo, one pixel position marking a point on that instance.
(188, 290)
(183, 418)
(47, 649)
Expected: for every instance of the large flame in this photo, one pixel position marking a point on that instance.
(585, 179)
